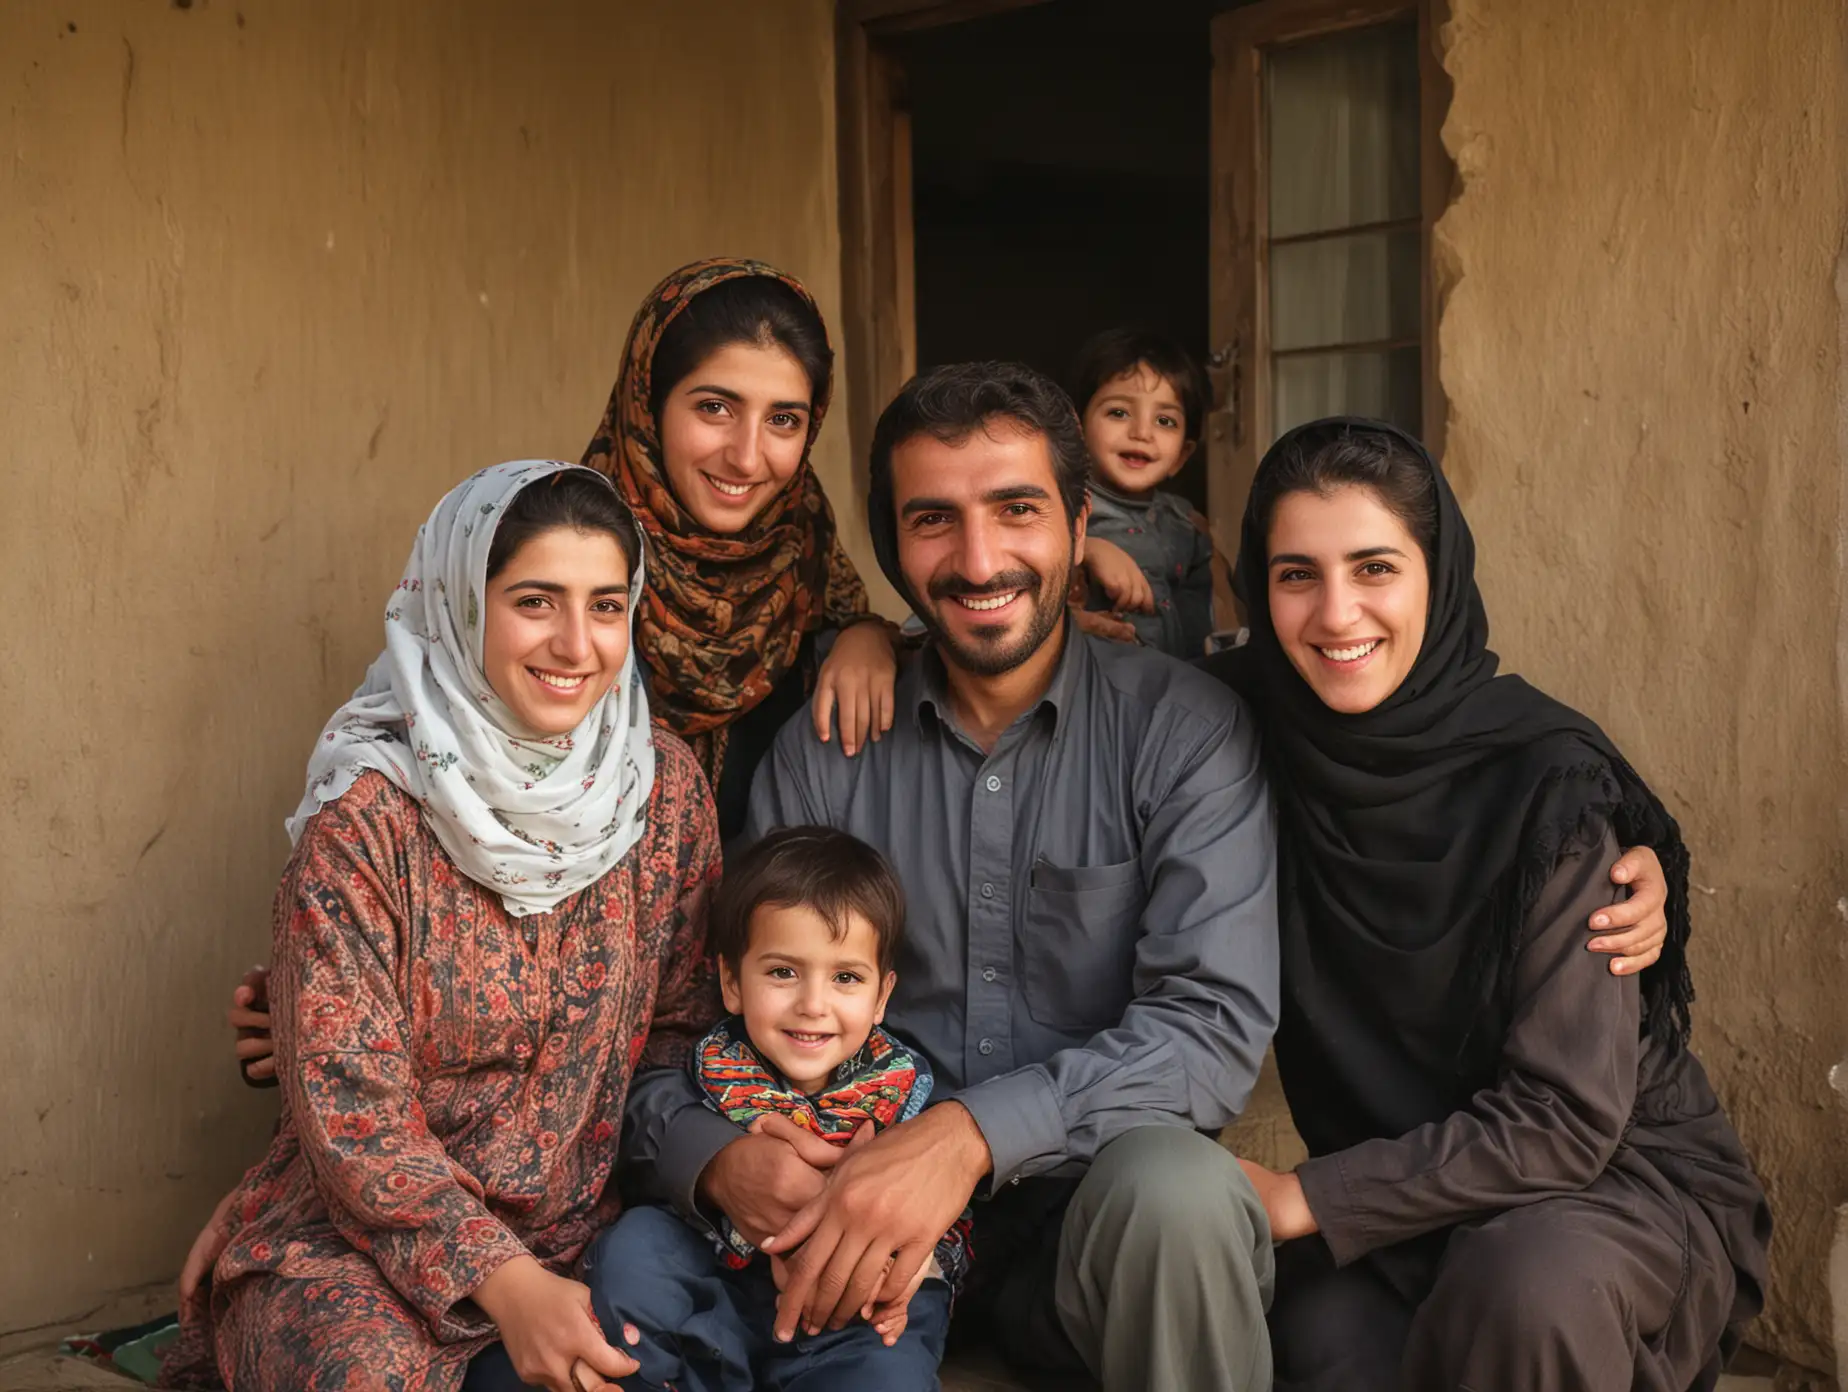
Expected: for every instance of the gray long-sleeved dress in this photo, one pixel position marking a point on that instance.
(1589, 1221)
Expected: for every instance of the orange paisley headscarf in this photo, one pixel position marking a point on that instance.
(723, 617)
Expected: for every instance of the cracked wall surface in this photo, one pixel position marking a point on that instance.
(272, 277)
(1642, 350)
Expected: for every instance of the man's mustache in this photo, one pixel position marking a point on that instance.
(959, 587)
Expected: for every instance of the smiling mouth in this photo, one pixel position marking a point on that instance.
(729, 491)
(560, 681)
(1353, 653)
(1135, 458)
(986, 604)
(806, 1039)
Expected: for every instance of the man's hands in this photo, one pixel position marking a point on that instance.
(762, 1180)
(551, 1332)
(1284, 1204)
(1634, 930)
(249, 1016)
(865, 1243)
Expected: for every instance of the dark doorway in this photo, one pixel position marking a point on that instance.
(1060, 169)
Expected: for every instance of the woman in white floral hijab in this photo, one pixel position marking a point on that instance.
(539, 813)
(494, 917)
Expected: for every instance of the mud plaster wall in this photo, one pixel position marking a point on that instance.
(271, 279)
(1642, 353)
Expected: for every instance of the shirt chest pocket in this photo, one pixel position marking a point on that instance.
(1078, 950)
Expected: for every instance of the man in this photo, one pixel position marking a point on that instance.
(1085, 841)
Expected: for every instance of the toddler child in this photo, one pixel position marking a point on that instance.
(1142, 401)
(805, 927)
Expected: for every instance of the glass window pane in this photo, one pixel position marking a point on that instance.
(1342, 129)
(1359, 288)
(1383, 385)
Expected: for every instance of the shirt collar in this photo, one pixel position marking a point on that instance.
(925, 685)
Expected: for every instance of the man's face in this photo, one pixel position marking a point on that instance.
(984, 543)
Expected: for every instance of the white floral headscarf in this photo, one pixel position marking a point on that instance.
(535, 819)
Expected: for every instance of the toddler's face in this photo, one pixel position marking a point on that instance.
(808, 1001)
(1136, 430)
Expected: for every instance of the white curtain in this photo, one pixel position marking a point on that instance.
(1342, 124)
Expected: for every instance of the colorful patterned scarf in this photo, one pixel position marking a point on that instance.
(724, 616)
(885, 1082)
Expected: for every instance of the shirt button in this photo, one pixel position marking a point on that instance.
(988, 973)
(993, 784)
(988, 891)
(987, 1046)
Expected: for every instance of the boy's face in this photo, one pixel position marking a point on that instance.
(1136, 430)
(808, 1000)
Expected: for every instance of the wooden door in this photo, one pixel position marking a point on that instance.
(1327, 175)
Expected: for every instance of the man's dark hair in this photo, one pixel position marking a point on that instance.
(575, 498)
(950, 404)
(809, 867)
(1113, 352)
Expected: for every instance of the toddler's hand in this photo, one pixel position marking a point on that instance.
(1118, 576)
(1102, 625)
(891, 1328)
(889, 1317)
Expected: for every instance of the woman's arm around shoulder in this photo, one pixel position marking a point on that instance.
(1550, 1124)
(856, 682)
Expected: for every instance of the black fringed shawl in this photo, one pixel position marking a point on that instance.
(1414, 840)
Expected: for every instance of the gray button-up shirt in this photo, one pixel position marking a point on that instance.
(1091, 938)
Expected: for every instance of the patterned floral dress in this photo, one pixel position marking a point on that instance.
(453, 1084)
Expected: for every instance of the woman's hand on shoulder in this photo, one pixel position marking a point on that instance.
(1634, 930)
(551, 1330)
(249, 1017)
(1283, 1199)
(854, 688)
(1118, 576)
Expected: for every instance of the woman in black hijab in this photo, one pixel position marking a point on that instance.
(1521, 1178)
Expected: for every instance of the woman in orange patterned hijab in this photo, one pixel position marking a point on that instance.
(724, 383)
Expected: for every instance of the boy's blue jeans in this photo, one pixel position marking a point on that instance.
(707, 1328)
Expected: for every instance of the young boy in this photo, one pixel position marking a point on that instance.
(805, 927)
(1142, 401)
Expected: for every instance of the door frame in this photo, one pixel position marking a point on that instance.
(1240, 361)
(878, 342)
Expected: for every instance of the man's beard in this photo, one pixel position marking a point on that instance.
(991, 654)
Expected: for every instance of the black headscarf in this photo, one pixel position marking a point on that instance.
(1415, 838)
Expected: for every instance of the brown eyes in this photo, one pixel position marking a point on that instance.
(1373, 570)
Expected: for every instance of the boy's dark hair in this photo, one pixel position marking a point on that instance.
(950, 404)
(576, 498)
(1116, 351)
(810, 867)
(746, 309)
